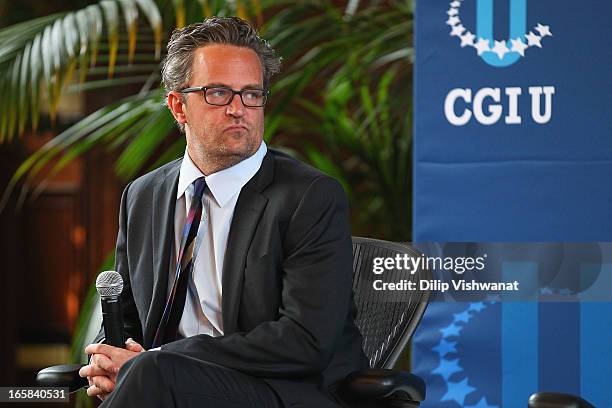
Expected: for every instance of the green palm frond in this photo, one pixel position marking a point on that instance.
(321, 41)
(365, 142)
(38, 57)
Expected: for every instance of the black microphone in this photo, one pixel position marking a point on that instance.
(109, 285)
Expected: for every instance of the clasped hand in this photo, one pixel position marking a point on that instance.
(105, 362)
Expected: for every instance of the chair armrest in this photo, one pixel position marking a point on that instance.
(556, 400)
(65, 375)
(381, 384)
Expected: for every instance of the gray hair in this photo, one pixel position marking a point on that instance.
(176, 68)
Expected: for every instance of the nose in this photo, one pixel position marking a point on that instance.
(235, 108)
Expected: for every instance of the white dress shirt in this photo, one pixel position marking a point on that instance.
(203, 313)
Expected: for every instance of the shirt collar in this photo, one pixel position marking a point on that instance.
(223, 184)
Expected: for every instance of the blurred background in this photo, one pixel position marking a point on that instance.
(81, 114)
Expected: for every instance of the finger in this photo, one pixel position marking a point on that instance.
(133, 346)
(84, 371)
(91, 370)
(95, 370)
(105, 363)
(93, 391)
(100, 348)
(103, 383)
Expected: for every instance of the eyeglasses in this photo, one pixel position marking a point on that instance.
(221, 96)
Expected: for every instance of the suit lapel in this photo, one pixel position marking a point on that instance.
(248, 211)
(162, 225)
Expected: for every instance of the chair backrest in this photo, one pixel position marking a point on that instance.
(386, 318)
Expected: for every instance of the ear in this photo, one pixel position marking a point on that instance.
(177, 106)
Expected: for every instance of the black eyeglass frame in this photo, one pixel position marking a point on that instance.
(203, 89)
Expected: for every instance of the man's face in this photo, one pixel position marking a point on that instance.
(221, 136)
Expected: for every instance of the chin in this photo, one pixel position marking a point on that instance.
(240, 147)
(234, 151)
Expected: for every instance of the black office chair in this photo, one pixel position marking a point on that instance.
(556, 400)
(387, 319)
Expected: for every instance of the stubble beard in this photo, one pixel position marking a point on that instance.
(221, 157)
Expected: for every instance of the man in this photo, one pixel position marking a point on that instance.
(248, 289)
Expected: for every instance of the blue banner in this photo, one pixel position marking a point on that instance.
(513, 142)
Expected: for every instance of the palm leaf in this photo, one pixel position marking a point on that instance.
(158, 125)
(42, 54)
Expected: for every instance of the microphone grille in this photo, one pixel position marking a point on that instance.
(109, 283)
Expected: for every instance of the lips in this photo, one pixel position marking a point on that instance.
(235, 128)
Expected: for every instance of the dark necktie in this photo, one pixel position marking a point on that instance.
(168, 326)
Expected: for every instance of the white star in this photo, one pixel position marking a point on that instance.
(457, 30)
(452, 20)
(518, 46)
(543, 30)
(533, 39)
(467, 39)
(452, 12)
(500, 49)
(455, 4)
(482, 45)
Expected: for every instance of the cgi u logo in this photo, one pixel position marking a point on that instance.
(497, 53)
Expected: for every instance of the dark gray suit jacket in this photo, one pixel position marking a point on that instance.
(288, 311)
